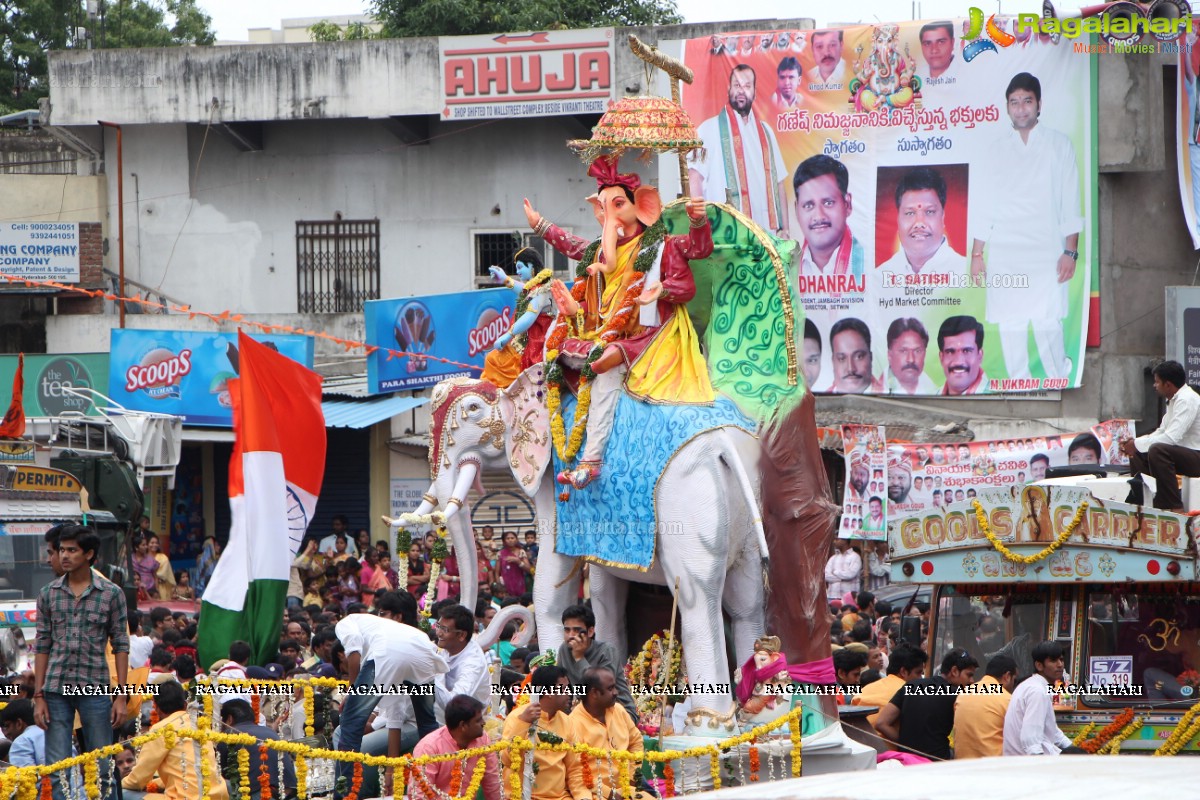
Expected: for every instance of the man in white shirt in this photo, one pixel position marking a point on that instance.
(468, 673)
(232, 669)
(741, 163)
(329, 543)
(1174, 448)
(907, 342)
(925, 260)
(937, 49)
(1030, 228)
(381, 651)
(1029, 725)
(829, 74)
(139, 646)
(843, 571)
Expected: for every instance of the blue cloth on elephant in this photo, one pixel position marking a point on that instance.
(612, 521)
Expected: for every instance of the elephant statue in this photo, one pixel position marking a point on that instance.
(711, 538)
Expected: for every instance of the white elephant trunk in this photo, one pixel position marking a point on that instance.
(462, 484)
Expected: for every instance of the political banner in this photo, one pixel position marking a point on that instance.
(865, 505)
(186, 372)
(943, 196)
(460, 327)
(924, 476)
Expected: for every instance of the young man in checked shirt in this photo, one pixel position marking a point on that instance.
(77, 615)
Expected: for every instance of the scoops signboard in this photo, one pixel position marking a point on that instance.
(459, 327)
(185, 372)
(539, 74)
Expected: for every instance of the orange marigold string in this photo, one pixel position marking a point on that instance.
(668, 780)
(589, 779)
(153, 715)
(356, 781)
(456, 779)
(264, 772)
(1111, 730)
(46, 788)
(754, 764)
(255, 705)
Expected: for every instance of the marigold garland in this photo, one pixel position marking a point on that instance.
(153, 715)
(264, 772)
(243, 767)
(668, 780)
(1109, 731)
(1185, 731)
(1114, 744)
(91, 779)
(403, 544)
(614, 327)
(714, 768)
(206, 703)
(256, 705)
(456, 778)
(999, 547)
(309, 709)
(355, 781)
(1081, 737)
(754, 764)
(47, 790)
(794, 735)
(301, 777)
(589, 778)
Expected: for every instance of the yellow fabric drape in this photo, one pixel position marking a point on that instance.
(671, 368)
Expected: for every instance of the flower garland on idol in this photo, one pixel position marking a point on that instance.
(999, 547)
(441, 550)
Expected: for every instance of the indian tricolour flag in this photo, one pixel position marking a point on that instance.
(274, 478)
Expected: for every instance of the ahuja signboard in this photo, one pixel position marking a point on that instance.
(41, 251)
(185, 372)
(460, 328)
(537, 74)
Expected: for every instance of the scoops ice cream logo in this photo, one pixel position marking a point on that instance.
(159, 373)
(491, 326)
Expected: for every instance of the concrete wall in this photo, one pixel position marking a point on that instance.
(370, 79)
(219, 230)
(54, 198)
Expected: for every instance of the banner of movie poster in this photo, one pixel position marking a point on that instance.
(944, 206)
(865, 505)
(925, 476)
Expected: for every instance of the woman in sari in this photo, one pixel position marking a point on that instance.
(146, 565)
(164, 575)
(381, 581)
(513, 565)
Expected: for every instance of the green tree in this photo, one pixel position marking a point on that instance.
(464, 17)
(31, 28)
(325, 31)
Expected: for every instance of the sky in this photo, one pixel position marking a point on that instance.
(231, 18)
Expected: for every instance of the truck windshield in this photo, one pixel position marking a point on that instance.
(990, 625)
(1144, 640)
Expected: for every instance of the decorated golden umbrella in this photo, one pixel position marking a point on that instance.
(646, 123)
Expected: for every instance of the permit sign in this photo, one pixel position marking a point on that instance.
(1110, 670)
(535, 74)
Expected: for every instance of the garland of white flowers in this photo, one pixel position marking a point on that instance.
(436, 520)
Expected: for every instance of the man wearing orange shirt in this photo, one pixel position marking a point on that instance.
(549, 703)
(979, 714)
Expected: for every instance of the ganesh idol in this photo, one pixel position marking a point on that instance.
(622, 325)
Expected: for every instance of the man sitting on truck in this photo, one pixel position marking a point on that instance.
(1173, 449)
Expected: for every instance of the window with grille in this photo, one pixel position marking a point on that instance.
(497, 247)
(337, 265)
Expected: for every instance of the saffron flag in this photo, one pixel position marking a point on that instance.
(275, 475)
(13, 425)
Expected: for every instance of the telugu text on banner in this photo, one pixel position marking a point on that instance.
(893, 161)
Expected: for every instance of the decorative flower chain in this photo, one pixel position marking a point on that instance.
(1062, 538)
(1185, 731)
(1109, 731)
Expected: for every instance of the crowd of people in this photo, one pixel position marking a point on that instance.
(951, 714)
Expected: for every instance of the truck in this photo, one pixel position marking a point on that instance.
(74, 468)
